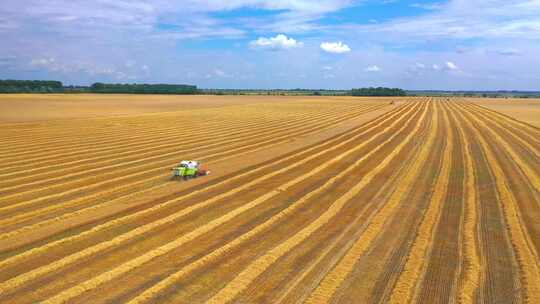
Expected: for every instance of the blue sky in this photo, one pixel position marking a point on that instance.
(418, 44)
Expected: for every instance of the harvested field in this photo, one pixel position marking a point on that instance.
(314, 200)
(525, 110)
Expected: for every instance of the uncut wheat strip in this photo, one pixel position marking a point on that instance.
(531, 174)
(411, 275)
(18, 281)
(335, 278)
(527, 257)
(87, 172)
(254, 269)
(473, 268)
(14, 219)
(503, 126)
(288, 211)
(118, 175)
(120, 221)
(164, 138)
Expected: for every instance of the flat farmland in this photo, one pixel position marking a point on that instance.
(526, 110)
(311, 200)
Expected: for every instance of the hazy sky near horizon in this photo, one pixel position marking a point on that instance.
(417, 44)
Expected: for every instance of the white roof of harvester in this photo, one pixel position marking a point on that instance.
(190, 163)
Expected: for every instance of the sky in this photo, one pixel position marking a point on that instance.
(265, 44)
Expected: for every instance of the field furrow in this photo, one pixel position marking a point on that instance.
(310, 200)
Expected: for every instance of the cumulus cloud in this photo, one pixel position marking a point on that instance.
(372, 69)
(436, 67)
(335, 47)
(461, 19)
(451, 66)
(279, 42)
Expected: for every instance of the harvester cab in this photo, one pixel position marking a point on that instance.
(188, 169)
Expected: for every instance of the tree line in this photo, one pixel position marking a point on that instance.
(39, 86)
(30, 86)
(380, 91)
(143, 88)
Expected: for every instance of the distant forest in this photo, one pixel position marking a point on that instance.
(143, 88)
(36, 86)
(30, 86)
(39, 86)
(378, 92)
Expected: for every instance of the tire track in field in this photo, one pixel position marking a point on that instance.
(64, 217)
(528, 267)
(442, 272)
(333, 280)
(298, 204)
(253, 270)
(415, 267)
(472, 267)
(20, 280)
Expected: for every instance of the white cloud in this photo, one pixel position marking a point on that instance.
(451, 66)
(279, 42)
(335, 47)
(219, 73)
(42, 62)
(436, 67)
(432, 6)
(372, 69)
(462, 19)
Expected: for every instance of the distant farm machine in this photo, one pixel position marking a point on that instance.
(188, 169)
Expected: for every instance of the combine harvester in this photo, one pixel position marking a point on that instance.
(188, 169)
